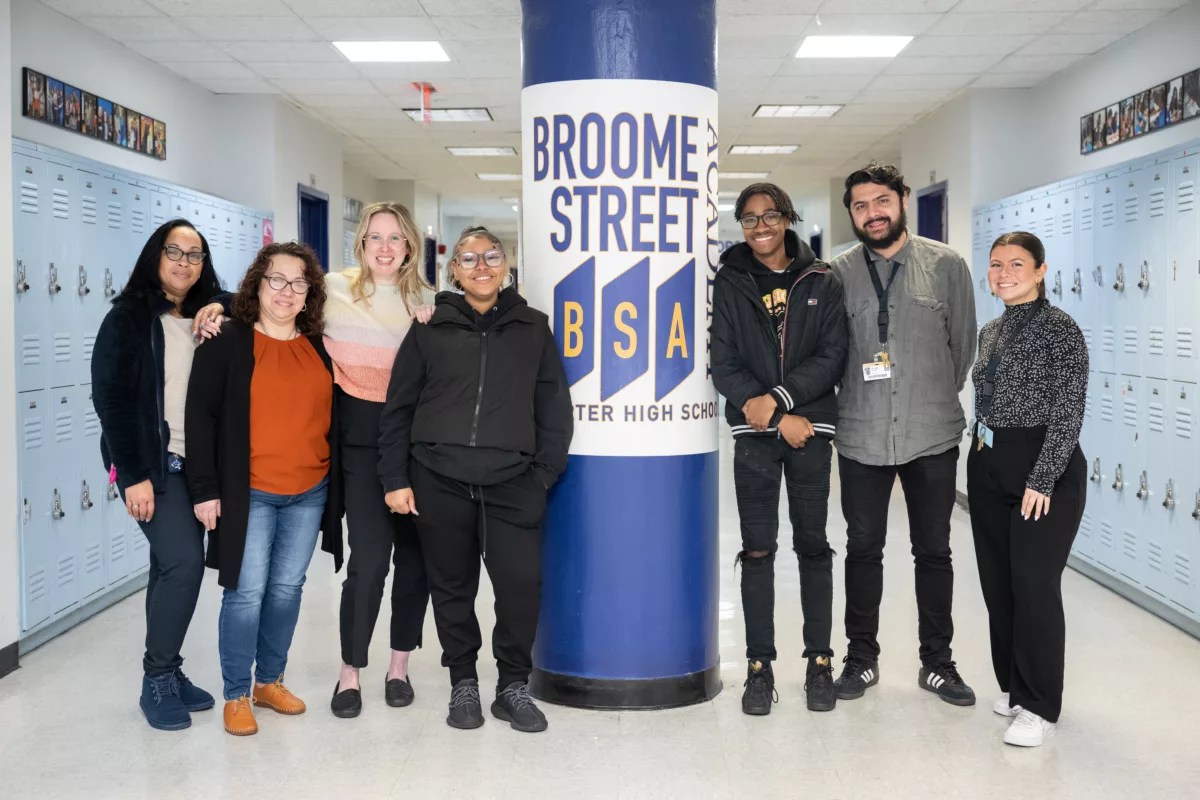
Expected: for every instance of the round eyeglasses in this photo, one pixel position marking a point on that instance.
(469, 260)
(277, 282)
(194, 257)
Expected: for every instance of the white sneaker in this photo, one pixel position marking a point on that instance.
(1002, 707)
(1029, 730)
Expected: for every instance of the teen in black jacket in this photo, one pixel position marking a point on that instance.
(475, 430)
(779, 343)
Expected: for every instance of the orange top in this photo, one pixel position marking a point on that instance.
(291, 398)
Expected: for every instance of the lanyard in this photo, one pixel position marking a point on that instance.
(987, 390)
(882, 292)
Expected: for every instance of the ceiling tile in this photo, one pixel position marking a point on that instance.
(194, 50)
(800, 67)
(483, 8)
(1010, 80)
(794, 87)
(762, 25)
(1030, 63)
(732, 8)
(102, 8)
(138, 29)
(204, 70)
(356, 8)
(887, 6)
(935, 65)
(223, 8)
(918, 99)
(887, 82)
(966, 45)
(758, 46)
(314, 86)
(1137, 5)
(1069, 43)
(481, 27)
(376, 100)
(325, 70)
(1003, 6)
(250, 29)
(996, 24)
(249, 52)
(235, 86)
(761, 68)
(1108, 21)
(373, 29)
(871, 24)
(435, 72)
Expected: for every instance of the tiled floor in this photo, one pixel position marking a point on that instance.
(70, 727)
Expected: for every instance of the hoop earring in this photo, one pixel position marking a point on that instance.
(508, 280)
(304, 308)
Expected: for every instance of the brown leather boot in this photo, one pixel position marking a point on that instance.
(239, 717)
(277, 697)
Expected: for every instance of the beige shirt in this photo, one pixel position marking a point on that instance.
(177, 363)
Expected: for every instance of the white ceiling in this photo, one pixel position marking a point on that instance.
(282, 47)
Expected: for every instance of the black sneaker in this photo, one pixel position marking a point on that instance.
(514, 706)
(760, 689)
(946, 683)
(347, 703)
(466, 712)
(818, 684)
(398, 692)
(857, 676)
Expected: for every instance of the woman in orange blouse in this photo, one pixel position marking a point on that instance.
(258, 410)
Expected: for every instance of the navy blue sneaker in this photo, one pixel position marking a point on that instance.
(194, 698)
(161, 704)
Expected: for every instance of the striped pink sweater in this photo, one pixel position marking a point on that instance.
(362, 337)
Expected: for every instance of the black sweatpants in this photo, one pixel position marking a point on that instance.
(377, 537)
(1021, 562)
(458, 523)
(928, 484)
(176, 540)
(757, 463)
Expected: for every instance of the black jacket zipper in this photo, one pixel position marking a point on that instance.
(479, 395)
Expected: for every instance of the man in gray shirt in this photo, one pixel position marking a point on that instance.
(911, 314)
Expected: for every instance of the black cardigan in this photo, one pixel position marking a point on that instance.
(218, 437)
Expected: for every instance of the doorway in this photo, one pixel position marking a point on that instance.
(932, 212)
(313, 222)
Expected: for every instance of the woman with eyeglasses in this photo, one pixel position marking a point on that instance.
(370, 309)
(474, 432)
(262, 454)
(140, 368)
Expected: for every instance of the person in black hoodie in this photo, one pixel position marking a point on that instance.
(779, 343)
(475, 431)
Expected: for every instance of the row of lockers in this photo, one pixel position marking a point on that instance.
(1123, 248)
(78, 230)
(79, 226)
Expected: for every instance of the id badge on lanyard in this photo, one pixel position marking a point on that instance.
(879, 368)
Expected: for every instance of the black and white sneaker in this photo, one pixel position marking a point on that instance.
(760, 689)
(466, 711)
(514, 706)
(857, 676)
(944, 681)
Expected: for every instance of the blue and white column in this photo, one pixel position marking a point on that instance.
(619, 242)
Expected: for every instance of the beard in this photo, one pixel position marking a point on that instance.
(890, 236)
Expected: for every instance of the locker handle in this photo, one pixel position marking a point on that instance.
(1169, 502)
(1144, 283)
(56, 509)
(54, 287)
(22, 284)
(1078, 287)
(1143, 486)
(1119, 483)
(112, 492)
(1119, 285)
(1058, 284)
(84, 289)
(1196, 513)
(28, 510)
(1095, 471)
(85, 496)
(109, 291)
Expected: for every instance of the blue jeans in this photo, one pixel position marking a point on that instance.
(259, 617)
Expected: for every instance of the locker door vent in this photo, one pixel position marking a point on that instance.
(228, 237)
(31, 350)
(1067, 225)
(1106, 408)
(32, 433)
(1183, 422)
(1183, 569)
(90, 210)
(1185, 196)
(1158, 202)
(1108, 339)
(61, 204)
(137, 220)
(1087, 336)
(1106, 534)
(37, 586)
(63, 427)
(1158, 418)
(1129, 412)
(92, 560)
(1131, 208)
(1129, 337)
(1087, 219)
(1155, 557)
(29, 198)
(1085, 527)
(1108, 214)
(91, 423)
(1184, 343)
(89, 344)
(1129, 544)
(114, 215)
(66, 571)
(62, 347)
(116, 545)
(1158, 341)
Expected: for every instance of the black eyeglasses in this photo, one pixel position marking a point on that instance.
(469, 260)
(194, 257)
(277, 282)
(771, 218)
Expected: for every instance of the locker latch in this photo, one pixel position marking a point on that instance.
(112, 492)
(1098, 275)
(54, 287)
(22, 284)
(109, 291)
(1196, 513)
(1119, 285)
(85, 497)
(1119, 483)
(1058, 284)
(1143, 486)
(1144, 283)
(28, 510)
(1078, 287)
(56, 508)
(1169, 501)
(84, 289)
(1096, 471)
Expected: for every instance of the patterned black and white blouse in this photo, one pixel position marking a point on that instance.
(1042, 380)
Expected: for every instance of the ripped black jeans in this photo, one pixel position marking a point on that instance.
(758, 462)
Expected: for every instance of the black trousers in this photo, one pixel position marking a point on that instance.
(757, 463)
(928, 485)
(458, 524)
(377, 537)
(1021, 562)
(176, 540)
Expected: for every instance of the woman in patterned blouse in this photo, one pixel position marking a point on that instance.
(1030, 381)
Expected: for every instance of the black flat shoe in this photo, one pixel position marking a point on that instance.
(398, 692)
(346, 704)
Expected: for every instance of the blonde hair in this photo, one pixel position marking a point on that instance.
(411, 283)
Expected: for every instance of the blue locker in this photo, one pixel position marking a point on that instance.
(140, 224)
(1087, 286)
(89, 494)
(1109, 273)
(89, 269)
(30, 312)
(1154, 271)
(65, 518)
(1156, 468)
(1183, 506)
(229, 217)
(1108, 473)
(1185, 292)
(62, 232)
(34, 505)
(160, 207)
(1085, 541)
(1128, 492)
(115, 245)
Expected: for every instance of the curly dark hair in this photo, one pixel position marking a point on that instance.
(783, 203)
(883, 174)
(311, 320)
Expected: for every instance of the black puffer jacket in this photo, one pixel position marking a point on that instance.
(479, 398)
(747, 360)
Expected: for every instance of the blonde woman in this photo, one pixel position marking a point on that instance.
(370, 309)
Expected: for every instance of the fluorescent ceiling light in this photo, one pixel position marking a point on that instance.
(743, 176)
(450, 114)
(497, 176)
(852, 46)
(792, 112)
(516, 208)
(482, 151)
(392, 52)
(763, 149)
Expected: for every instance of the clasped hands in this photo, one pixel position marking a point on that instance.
(794, 429)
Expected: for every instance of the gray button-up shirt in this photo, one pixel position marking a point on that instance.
(931, 343)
